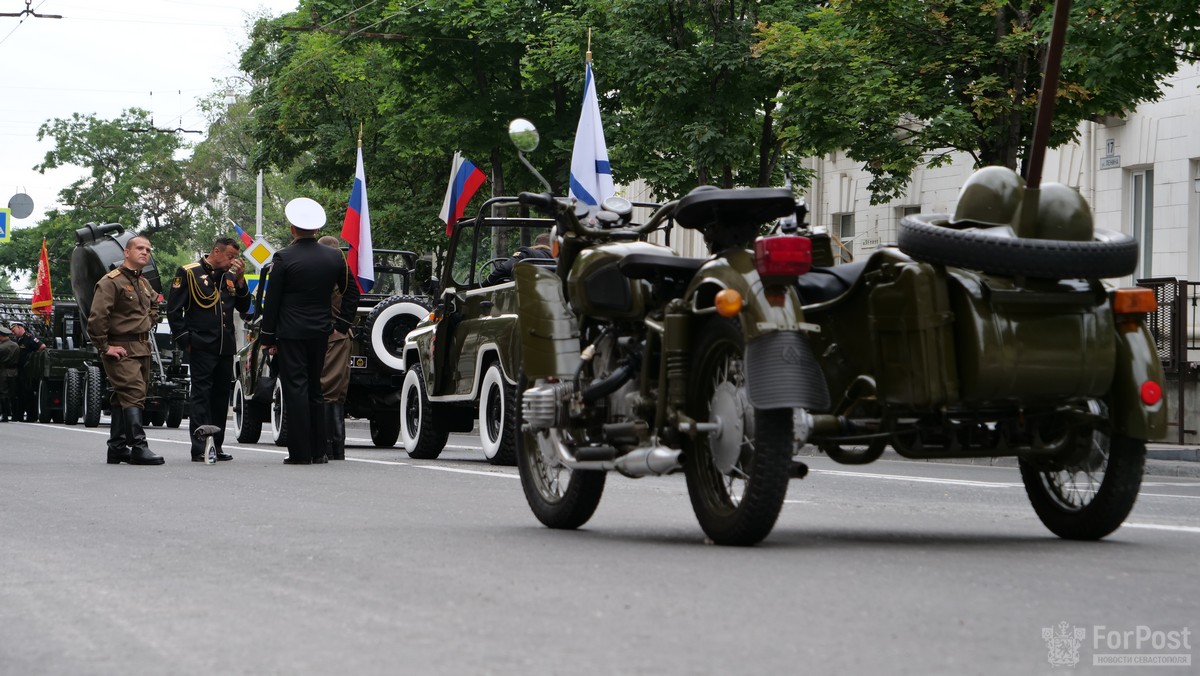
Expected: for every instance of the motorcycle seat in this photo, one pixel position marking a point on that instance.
(826, 283)
(653, 266)
(733, 208)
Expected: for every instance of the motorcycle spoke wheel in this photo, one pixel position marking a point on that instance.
(1092, 496)
(737, 476)
(558, 496)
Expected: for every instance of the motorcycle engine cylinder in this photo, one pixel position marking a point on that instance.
(540, 405)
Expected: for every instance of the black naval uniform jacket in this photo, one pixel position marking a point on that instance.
(296, 300)
(200, 308)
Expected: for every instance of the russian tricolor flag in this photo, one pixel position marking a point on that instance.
(465, 179)
(356, 230)
(242, 235)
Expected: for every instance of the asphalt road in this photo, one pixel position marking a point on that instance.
(384, 565)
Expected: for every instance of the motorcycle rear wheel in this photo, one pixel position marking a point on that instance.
(1090, 498)
(558, 496)
(737, 477)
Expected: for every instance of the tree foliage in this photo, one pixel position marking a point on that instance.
(900, 84)
(133, 177)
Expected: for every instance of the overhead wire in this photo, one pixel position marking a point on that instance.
(20, 23)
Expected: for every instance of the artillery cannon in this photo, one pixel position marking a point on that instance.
(67, 378)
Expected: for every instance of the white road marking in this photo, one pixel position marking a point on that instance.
(919, 479)
(1159, 526)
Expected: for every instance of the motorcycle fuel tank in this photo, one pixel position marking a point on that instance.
(598, 289)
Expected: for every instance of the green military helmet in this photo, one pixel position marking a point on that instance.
(990, 197)
(1062, 213)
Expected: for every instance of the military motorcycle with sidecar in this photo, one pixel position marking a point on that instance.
(638, 360)
(970, 339)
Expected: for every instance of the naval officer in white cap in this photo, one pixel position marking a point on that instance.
(297, 323)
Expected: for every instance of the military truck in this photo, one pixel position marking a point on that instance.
(398, 301)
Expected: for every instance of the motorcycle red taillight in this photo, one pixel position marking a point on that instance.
(782, 255)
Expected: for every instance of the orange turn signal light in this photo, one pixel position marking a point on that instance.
(728, 303)
(1134, 301)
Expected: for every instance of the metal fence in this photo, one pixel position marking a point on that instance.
(1175, 327)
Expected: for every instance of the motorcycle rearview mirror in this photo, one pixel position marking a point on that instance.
(524, 135)
(526, 138)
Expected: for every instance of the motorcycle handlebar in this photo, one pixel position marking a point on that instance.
(564, 212)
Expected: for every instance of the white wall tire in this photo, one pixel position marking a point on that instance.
(382, 344)
(278, 415)
(497, 417)
(422, 437)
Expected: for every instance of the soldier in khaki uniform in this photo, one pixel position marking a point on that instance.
(124, 312)
(335, 377)
(10, 353)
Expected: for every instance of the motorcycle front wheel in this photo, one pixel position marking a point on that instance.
(1090, 497)
(737, 476)
(558, 496)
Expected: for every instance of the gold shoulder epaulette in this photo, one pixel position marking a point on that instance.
(114, 274)
(189, 266)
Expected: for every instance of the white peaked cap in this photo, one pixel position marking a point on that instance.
(305, 213)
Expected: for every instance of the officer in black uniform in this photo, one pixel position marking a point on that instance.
(22, 398)
(200, 310)
(297, 323)
(503, 270)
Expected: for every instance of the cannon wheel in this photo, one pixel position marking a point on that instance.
(45, 412)
(93, 399)
(174, 415)
(72, 396)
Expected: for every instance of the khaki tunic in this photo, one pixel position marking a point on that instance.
(335, 377)
(9, 354)
(124, 311)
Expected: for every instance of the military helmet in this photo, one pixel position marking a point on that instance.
(1062, 213)
(991, 196)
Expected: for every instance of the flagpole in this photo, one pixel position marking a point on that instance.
(589, 49)
(360, 128)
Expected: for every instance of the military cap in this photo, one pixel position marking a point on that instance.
(305, 214)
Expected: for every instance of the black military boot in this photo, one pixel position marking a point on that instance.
(5, 408)
(118, 447)
(139, 450)
(335, 424)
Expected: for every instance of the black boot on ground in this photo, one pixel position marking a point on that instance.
(335, 425)
(118, 448)
(5, 409)
(139, 450)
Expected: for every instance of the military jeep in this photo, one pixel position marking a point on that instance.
(396, 303)
(462, 365)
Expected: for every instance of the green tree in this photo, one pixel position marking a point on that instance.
(133, 177)
(684, 99)
(900, 84)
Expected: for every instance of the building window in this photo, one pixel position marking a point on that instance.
(1141, 218)
(843, 227)
(909, 211)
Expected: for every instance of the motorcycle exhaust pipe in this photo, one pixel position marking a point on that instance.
(640, 462)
